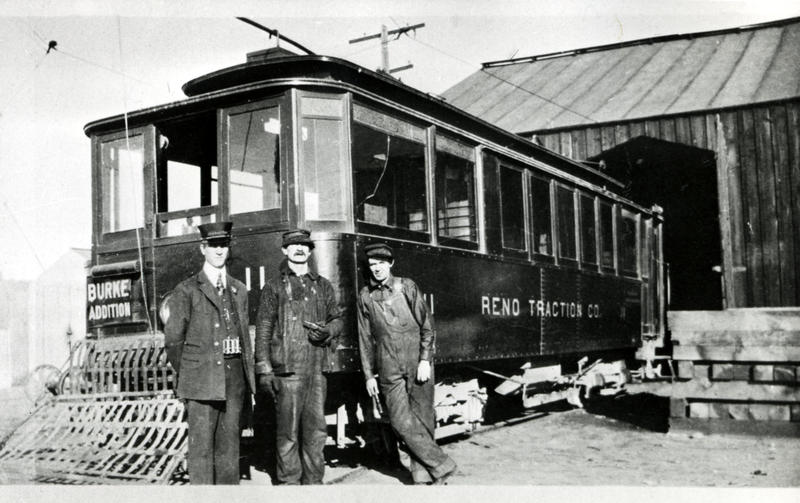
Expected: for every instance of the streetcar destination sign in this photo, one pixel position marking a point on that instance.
(112, 300)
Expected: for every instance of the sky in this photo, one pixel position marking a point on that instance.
(113, 56)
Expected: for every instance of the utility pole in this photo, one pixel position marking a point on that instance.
(384, 36)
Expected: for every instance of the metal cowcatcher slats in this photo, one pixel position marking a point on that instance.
(116, 421)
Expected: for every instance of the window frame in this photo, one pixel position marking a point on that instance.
(636, 219)
(645, 245)
(588, 196)
(165, 216)
(538, 256)
(268, 218)
(125, 237)
(563, 260)
(524, 175)
(442, 240)
(347, 222)
(364, 227)
(607, 269)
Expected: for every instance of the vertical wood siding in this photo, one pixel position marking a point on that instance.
(757, 153)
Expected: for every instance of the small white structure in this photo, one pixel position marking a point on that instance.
(14, 329)
(58, 304)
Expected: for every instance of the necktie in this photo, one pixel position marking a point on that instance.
(220, 285)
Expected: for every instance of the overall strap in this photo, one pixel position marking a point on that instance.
(287, 284)
(398, 287)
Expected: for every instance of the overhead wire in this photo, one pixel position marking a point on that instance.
(107, 68)
(528, 91)
(43, 43)
(368, 47)
(24, 235)
(469, 63)
(11, 97)
(137, 197)
(34, 36)
(26, 33)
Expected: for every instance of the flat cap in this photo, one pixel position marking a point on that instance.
(297, 237)
(218, 232)
(379, 250)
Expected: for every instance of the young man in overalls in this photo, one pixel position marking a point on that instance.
(396, 344)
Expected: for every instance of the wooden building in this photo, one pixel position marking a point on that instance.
(703, 124)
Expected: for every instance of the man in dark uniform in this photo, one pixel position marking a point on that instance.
(298, 318)
(208, 345)
(396, 343)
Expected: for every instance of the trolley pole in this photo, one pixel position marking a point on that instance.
(384, 37)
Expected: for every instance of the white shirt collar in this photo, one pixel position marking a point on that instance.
(212, 273)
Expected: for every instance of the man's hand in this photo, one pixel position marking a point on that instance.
(318, 333)
(372, 387)
(423, 371)
(266, 384)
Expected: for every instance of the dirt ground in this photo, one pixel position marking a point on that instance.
(623, 441)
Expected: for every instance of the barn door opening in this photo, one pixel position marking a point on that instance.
(682, 180)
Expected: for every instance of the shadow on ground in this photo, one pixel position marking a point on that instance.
(644, 410)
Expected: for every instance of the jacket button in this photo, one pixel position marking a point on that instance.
(216, 343)
(219, 362)
(216, 325)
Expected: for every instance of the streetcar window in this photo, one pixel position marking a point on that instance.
(541, 214)
(122, 183)
(565, 200)
(588, 230)
(254, 165)
(323, 158)
(627, 242)
(389, 165)
(455, 190)
(187, 175)
(184, 190)
(512, 208)
(606, 235)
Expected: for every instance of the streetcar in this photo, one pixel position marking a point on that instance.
(542, 278)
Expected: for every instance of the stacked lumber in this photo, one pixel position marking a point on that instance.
(741, 364)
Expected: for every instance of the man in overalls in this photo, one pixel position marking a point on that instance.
(207, 343)
(396, 344)
(298, 318)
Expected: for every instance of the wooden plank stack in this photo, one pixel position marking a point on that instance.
(738, 364)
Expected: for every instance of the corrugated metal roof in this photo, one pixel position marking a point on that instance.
(632, 80)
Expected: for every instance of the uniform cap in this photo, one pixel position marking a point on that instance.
(297, 237)
(218, 232)
(379, 250)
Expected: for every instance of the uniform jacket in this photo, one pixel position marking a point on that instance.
(282, 344)
(193, 337)
(394, 328)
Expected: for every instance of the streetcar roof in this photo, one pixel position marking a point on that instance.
(286, 69)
